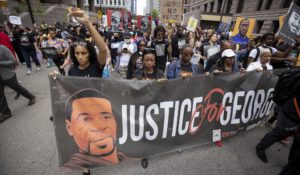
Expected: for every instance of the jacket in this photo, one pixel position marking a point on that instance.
(7, 63)
(174, 69)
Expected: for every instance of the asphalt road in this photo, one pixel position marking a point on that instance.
(28, 145)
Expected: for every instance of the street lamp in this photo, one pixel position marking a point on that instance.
(30, 11)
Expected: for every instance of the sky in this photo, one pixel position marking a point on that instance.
(140, 6)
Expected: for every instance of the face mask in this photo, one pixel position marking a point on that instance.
(127, 41)
(141, 53)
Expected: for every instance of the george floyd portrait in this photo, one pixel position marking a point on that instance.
(241, 37)
(116, 20)
(92, 125)
(294, 22)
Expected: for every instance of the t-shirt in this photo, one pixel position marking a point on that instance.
(26, 41)
(253, 52)
(177, 44)
(161, 53)
(125, 57)
(93, 70)
(186, 70)
(257, 64)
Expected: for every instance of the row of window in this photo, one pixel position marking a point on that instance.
(227, 7)
(107, 2)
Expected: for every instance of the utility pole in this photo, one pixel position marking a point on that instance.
(30, 11)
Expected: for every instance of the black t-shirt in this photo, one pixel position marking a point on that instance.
(161, 53)
(93, 70)
(186, 68)
(177, 43)
(26, 41)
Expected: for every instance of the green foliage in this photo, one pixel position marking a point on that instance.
(154, 13)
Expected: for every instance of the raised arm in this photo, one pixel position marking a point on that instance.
(100, 43)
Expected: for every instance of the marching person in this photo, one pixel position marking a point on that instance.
(8, 78)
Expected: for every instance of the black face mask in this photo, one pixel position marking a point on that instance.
(22, 31)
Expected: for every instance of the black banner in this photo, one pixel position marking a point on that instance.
(104, 122)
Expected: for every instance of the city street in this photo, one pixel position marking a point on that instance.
(28, 144)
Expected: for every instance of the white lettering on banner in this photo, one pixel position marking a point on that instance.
(188, 115)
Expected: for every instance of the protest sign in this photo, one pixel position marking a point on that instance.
(291, 25)
(16, 20)
(171, 10)
(192, 24)
(237, 26)
(115, 20)
(143, 22)
(104, 122)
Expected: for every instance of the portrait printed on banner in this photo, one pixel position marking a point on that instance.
(242, 31)
(116, 21)
(291, 25)
(92, 125)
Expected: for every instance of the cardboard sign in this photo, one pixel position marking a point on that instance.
(171, 10)
(16, 20)
(192, 24)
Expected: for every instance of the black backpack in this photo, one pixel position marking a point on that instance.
(288, 86)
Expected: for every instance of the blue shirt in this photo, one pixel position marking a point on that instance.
(241, 40)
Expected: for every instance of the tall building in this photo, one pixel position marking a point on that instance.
(210, 12)
(111, 4)
(133, 7)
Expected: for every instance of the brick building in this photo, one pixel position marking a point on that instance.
(210, 12)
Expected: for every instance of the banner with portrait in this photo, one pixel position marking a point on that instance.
(250, 27)
(104, 122)
(143, 22)
(115, 20)
(291, 25)
(171, 10)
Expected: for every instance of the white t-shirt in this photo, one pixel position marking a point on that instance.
(253, 52)
(125, 57)
(257, 64)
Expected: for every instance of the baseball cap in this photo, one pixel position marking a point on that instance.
(228, 53)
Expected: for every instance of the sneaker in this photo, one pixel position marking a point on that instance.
(32, 101)
(38, 68)
(28, 72)
(261, 154)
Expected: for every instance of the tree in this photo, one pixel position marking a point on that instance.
(154, 13)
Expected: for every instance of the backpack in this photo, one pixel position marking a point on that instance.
(288, 86)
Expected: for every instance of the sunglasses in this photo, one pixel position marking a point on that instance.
(142, 45)
(82, 44)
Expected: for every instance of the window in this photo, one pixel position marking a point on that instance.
(269, 3)
(220, 2)
(184, 11)
(258, 26)
(212, 6)
(185, 1)
(228, 6)
(286, 3)
(275, 26)
(259, 6)
(205, 7)
(240, 6)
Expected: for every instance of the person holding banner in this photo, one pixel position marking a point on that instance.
(83, 53)
(136, 61)
(263, 63)
(149, 71)
(226, 64)
(91, 123)
(183, 67)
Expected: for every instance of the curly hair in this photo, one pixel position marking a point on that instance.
(89, 46)
(159, 29)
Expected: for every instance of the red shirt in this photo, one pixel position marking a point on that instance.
(5, 40)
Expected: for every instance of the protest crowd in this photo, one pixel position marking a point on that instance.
(162, 52)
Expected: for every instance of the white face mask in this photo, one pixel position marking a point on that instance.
(127, 41)
(140, 52)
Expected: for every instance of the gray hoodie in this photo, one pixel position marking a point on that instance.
(7, 63)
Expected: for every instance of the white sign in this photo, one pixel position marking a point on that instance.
(15, 20)
(216, 135)
(104, 20)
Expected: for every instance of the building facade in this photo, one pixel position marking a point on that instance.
(134, 7)
(111, 4)
(266, 12)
